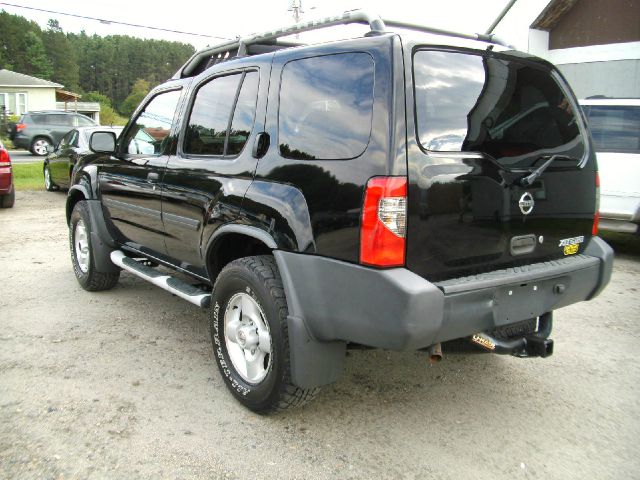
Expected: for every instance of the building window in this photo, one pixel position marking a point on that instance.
(21, 103)
(4, 103)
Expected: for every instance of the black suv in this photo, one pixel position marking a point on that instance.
(380, 191)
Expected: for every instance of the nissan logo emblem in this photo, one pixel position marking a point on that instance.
(526, 203)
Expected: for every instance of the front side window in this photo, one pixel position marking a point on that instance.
(615, 128)
(511, 110)
(67, 140)
(149, 134)
(326, 107)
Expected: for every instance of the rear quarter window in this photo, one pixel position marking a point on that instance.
(326, 107)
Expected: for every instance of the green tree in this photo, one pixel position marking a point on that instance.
(62, 56)
(108, 116)
(139, 90)
(39, 63)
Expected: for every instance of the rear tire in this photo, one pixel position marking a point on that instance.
(7, 201)
(82, 257)
(248, 322)
(39, 146)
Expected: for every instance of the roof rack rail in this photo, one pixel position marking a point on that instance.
(239, 47)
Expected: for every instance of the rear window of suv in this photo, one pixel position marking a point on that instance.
(326, 106)
(512, 110)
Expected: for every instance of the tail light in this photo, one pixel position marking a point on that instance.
(384, 222)
(4, 156)
(20, 127)
(596, 216)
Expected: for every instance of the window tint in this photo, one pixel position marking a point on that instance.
(243, 114)
(209, 120)
(615, 128)
(326, 105)
(149, 134)
(511, 110)
(66, 141)
(73, 142)
(53, 119)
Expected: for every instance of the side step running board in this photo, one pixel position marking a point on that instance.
(167, 282)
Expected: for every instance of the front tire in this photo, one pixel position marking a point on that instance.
(82, 257)
(248, 322)
(40, 146)
(48, 183)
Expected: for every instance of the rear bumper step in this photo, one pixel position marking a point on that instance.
(167, 282)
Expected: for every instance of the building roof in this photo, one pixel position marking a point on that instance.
(552, 14)
(15, 79)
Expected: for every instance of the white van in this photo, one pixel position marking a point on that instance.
(615, 128)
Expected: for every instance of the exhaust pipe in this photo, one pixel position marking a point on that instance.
(435, 353)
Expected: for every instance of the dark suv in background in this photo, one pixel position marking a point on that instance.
(36, 131)
(388, 191)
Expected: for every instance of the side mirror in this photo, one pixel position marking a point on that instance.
(103, 142)
(50, 149)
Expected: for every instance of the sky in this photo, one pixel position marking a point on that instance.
(230, 19)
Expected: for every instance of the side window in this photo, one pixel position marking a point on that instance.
(150, 132)
(326, 107)
(73, 141)
(66, 140)
(209, 120)
(243, 115)
(56, 119)
(215, 126)
(615, 128)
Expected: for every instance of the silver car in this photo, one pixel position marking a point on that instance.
(615, 129)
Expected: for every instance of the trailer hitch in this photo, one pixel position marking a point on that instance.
(536, 344)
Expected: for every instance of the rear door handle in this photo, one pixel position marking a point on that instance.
(153, 177)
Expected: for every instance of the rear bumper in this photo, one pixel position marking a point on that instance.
(21, 141)
(333, 302)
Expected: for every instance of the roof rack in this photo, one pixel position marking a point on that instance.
(262, 42)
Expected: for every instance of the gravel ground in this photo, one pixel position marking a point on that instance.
(122, 384)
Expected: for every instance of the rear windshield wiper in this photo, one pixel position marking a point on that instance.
(529, 179)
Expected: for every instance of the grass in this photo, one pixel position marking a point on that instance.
(28, 176)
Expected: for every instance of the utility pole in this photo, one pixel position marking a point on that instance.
(296, 9)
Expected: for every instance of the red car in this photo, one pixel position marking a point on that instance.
(7, 192)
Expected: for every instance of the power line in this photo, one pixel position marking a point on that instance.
(108, 22)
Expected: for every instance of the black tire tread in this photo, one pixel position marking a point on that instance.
(7, 201)
(265, 268)
(97, 281)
